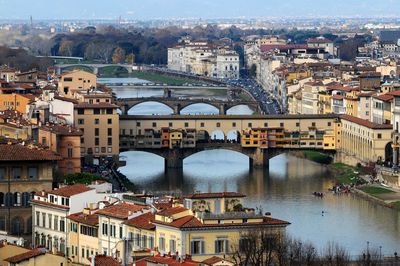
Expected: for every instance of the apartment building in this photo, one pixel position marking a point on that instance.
(17, 102)
(50, 210)
(74, 81)
(24, 170)
(99, 123)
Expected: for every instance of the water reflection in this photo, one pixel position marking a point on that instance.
(285, 190)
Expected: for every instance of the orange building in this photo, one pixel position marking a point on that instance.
(66, 141)
(15, 102)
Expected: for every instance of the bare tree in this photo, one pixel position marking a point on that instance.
(335, 255)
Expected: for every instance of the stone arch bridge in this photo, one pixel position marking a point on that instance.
(94, 67)
(178, 104)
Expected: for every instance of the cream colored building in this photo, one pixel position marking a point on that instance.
(50, 210)
(99, 123)
(74, 81)
(365, 140)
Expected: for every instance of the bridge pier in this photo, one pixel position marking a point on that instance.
(259, 158)
(222, 109)
(174, 159)
(177, 109)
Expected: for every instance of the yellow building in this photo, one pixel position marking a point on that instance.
(214, 202)
(99, 123)
(365, 140)
(255, 137)
(352, 105)
(74, 81)
(16, 102)
(325, 102)
(12, 255)
(175, 138)
(204, 235)
(83, 238)
(140, 231)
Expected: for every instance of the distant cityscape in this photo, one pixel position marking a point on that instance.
(89, 108)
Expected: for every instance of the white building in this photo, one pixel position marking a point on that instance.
(49, 212)
(228, 65)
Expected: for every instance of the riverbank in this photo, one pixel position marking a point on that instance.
(387, 197)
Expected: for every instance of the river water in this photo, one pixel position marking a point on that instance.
(285, 190)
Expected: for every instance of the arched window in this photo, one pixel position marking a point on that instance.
(1, 199)
(70, 150)
(9, 199)
(17, 199)
(17, 226)
(25, 199)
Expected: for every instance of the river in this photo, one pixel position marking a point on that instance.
(285, 190)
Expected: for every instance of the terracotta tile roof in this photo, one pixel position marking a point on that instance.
(384, 97)
(26, 255)
(144, 221)
(102, 260)
(167, 260)
(18, 152)
(337, 97)
(191, 221)
(215, 195)
(319, 40)
(65, 99)
(172, 211)
(314, 83)
(367, 94)
(365, 123)
(50, 204)
(121, 210)
(269, 47)
(62, 130)
(96, 105)
(89, 219)
(72, 190)
(162, 205)
(212, 260)
(394, 93)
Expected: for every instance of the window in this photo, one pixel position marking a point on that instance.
(62, 225)
(109, 141)
(50, 221)
(104, 229)
(172, 246)
(37, 218)
(297, 124)
(249, 124)
(186, 124)
(81, 121)
(96, 111)
(96, 131)
(120, 232)
(81, 111)
(16, 172)
(96, 141)
(138, 124)
(161, 244)
(109, 111)
(82, 140)
(69, 150)
(109, 121)
(218, 124)
(154, 124)
(96, 121)
(265, 124)
(234, 124)
(109, 131)
(2, 173)
(68, 79)
(244, 244)
(144, 241)
(379, 135)
(221, 246)
(201, 124)
(313, 124)
(329, 124)
(282, 124)
(43, 220)
(197, 247)
(151, 242)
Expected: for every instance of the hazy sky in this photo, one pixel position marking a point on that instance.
(142, 9)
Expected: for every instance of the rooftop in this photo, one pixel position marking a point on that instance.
(165, 260)
(62, 129)
(172, 211)
(144, 221)
(122, 210)
(102, 260)
(89, 219)
(72, 190)
(365, 123)
(96, 105)
(26, 255)
(19, 152)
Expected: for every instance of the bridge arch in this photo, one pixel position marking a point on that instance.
(217, 135)
(233, 136)
(185, 109)
(151, 108)
(236, 109)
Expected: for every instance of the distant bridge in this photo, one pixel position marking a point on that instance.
(94, 67)
(177, 104)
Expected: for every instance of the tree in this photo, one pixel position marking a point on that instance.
(81, 178)
(253, 71)
(335, 255)
(66, 48)
(118, 55)
(130, 58)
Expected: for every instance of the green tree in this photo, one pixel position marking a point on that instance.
(130, 58)
(81, 178)
(66, 48)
